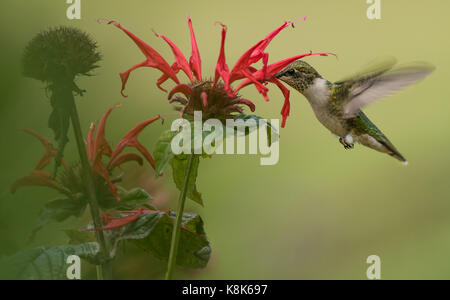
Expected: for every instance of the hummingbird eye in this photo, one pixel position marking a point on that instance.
(290, 72)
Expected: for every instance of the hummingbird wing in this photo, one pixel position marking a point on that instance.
(373, 86)
(371, 70)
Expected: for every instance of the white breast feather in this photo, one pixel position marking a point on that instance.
(318, 95)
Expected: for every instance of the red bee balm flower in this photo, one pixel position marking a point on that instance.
(215, 98)
(38, 177)
(98, 147)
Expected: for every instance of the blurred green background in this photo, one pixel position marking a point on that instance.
(317, 214)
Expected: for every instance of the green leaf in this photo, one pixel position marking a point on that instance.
(272, 132)
(129, 200)
(79, 237)
(45, 263)
(179, 164)
(59, 210)
(163, 152)
(153, 232)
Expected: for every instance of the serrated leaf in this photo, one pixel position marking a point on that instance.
(59, 210)
(163, 152)
(45, 263)
(153, 232)
(179, 164)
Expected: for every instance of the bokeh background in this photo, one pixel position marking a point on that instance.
(317, 214)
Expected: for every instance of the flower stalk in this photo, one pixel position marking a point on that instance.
(103, 271)
(176, 233)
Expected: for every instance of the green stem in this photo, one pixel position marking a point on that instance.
(104, 271)
(177, 226)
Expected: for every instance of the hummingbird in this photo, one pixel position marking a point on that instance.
(338, 105)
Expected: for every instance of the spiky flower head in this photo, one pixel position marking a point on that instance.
(62, 52)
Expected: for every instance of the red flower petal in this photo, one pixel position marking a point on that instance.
(266, 74)
(222, 67)
(254, 54)
(204, 100)
(259, 51)
(180, 100)
(99, 169)
(247, 102)
(164, 77)
(195, 60)
(101, 145)
(35, 178)
(285, 111)
(115, 223)
(154, 59)
(180, 60)
(50, 150)
(126, 157)
(131, 140)
(181, 88)
(242, 64)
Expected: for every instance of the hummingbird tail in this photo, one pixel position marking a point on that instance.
(392, 151)
(400, 157)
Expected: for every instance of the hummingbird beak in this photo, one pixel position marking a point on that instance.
(279, 74)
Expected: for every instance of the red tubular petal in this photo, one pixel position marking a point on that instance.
(180, 60)
(164, 77)
(242, 64)
(179, 100)
(259, 51)
(234, 108)
(154, 59)
(145, 211)
(287, 105)
(195, 60)
(259, 86)
(103, 172)
(222, 67)
(274, 68)
(131, 140)
(255, 53)
(181, 88)
(145, 153)
(267, 74)
(204, 100)
(115, 223)
(126, 157)
(247, 102)
(125, 75)
(50, 150)
(35, 178)
(101, 145)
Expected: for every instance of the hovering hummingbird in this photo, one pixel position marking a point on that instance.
(338, 105)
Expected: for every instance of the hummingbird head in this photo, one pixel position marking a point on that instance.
(299, 75)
